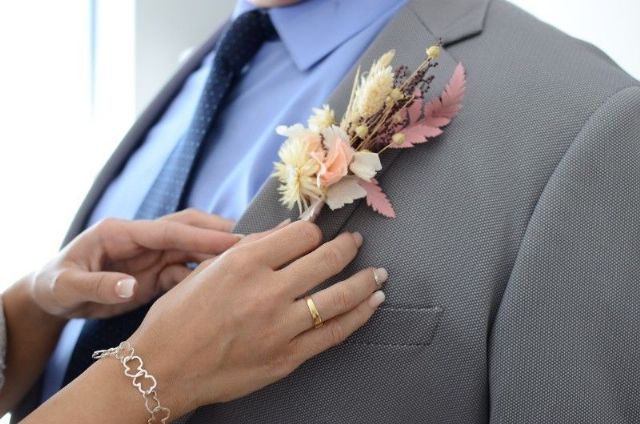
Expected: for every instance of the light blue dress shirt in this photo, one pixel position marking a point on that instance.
(319, 41)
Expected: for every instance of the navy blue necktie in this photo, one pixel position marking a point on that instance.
(234, 51)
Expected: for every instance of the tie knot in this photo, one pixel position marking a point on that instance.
(243, 38)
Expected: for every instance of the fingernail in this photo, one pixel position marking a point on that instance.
(376, 299)
(358, 238)
(124, 288)
(283, 223)
(239, 235)
(380, 275)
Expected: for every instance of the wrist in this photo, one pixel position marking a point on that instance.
(101, 394)
(174, 390)
(21, 296)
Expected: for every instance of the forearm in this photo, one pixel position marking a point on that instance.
(103, 394)
(31, 336)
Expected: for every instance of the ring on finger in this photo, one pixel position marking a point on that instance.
(315, 314)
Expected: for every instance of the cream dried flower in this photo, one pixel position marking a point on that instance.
(374, 88)
(362, 131)
(365, 164)
(322, 118)
(297, 169)
(398, 138)
(433, 52)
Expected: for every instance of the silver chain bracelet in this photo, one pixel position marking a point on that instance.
(141, 379)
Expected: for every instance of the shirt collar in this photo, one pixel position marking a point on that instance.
(311, 29)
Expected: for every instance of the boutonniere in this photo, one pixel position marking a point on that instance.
(326, 163)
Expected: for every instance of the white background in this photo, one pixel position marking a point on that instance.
(61, 116)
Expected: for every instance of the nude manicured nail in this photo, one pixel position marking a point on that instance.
(124, 288)
(376, 299)
(358, 238)
(380, 275)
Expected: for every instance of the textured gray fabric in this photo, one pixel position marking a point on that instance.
(464, 204)
(566, 341)
(513, 259)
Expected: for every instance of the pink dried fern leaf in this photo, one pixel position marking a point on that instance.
(427, 123)
(376, 199)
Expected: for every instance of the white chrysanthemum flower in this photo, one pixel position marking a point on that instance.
(322, 118)
(297, 171)
(333, 134)
(375, 87)
(365, 164)
(299, 132)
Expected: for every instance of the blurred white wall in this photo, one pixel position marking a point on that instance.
(165, 30)
(46, 159)
(611, 25)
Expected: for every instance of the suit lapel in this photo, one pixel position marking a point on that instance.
(409, 34)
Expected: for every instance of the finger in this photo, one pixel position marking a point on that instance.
(286, 244)
(75, 286)
(201, 219)
(257, 236)
(168, 278)
(171, 276)
(337, 299)
(171, 257)
(321, 264)
(335, 331)
(171, 235)
(179, 257)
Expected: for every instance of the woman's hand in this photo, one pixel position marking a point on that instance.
(117, 265)
(239, 323)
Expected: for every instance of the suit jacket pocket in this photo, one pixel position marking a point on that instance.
(399, 326)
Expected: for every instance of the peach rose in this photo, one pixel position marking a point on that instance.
(334, 163)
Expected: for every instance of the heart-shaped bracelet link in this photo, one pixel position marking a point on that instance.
(141, 380)
(140, 376)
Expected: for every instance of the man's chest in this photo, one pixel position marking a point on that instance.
(460, 220)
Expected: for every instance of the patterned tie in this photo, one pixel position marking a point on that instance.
(236, 48)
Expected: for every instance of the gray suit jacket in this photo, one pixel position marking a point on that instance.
(514, 289)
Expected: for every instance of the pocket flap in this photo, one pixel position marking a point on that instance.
(399, 326)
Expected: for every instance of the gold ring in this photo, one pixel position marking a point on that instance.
(315, 315)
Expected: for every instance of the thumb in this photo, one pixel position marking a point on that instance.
(99, 287)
